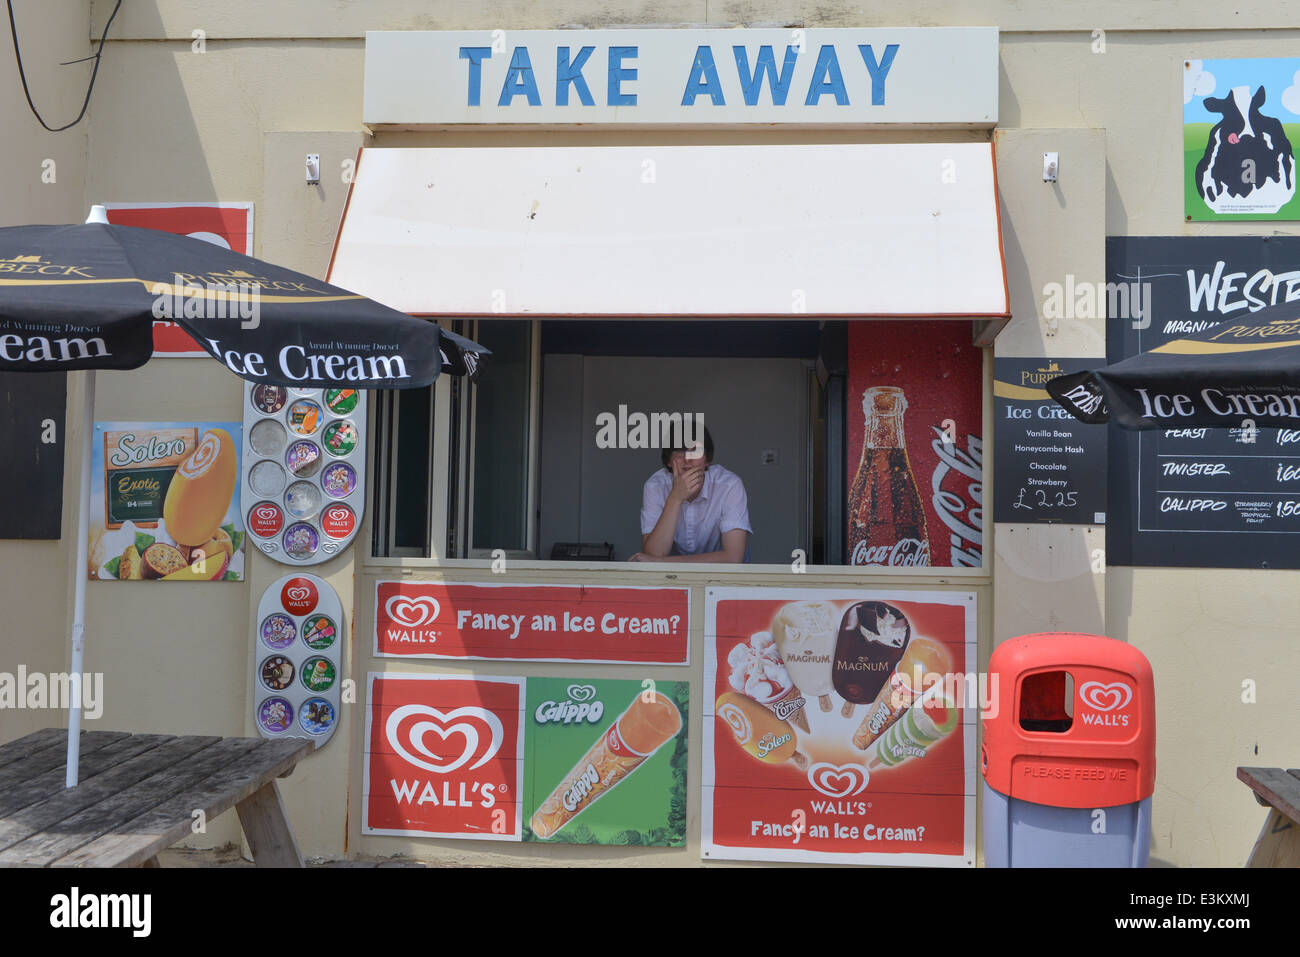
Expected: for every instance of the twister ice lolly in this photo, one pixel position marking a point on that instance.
(922, 658)
(871, 640)
(805, 633)
(649, 721)
(919, 728)
(758, 731)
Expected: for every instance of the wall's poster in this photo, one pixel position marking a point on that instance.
(1204, 497)
(32, 411)
(165, 502)
(443, 756)
(605, 761)
(1240, 121)
(1049, 466)
(915, 450)
(628, 623)
(839, 726)
(228, 225)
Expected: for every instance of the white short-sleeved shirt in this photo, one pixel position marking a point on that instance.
(720, 507)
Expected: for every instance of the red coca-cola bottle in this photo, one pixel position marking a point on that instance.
(886, 519)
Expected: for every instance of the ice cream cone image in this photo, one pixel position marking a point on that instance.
(805, 633)
(761, 733)
(922, 659)
(919, 728)
(649, 721)
(758, 672)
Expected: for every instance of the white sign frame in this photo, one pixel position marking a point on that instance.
(920, 76)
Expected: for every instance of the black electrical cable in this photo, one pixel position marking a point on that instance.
(13, 31)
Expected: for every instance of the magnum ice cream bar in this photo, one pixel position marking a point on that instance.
(922, 658)
(805, 633)
(758, 671)
(872, 638)
(758, 731)
(919, 728)
(649, 721)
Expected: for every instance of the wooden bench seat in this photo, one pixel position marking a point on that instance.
(138, 795)
(1278, 844)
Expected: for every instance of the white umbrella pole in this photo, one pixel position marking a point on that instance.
(82, 561)
(80, 572)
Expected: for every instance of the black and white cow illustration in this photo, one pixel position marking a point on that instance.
(1248, 166)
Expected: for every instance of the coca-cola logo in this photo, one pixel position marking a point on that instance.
(412, 612)
(299, 596)
(479, 733)
(905, 553)
(838, 780)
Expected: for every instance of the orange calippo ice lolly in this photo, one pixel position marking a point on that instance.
(922, 658)
(759, 731)
(649, 721)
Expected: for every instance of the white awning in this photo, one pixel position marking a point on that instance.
(822, 230)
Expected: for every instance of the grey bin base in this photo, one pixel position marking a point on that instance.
(1023, 834)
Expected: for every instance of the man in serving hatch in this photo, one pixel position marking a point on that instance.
(693, 510)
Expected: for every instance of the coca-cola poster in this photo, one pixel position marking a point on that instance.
(631, 624)
(914, 448)
(228, 225)
(839, 726)
(444, 756)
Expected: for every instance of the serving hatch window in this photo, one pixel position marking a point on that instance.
(832, 442)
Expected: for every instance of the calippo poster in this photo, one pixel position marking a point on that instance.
(839, 726)
(606, 762)
(1241, 119)
(915, 497)
(164, 500)
(636, 625)
(443, 756)
(229, 225)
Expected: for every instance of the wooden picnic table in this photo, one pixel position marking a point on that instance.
(139, 794)
(1278, 844)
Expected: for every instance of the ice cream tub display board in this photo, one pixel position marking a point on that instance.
(165, 500)
(297, 668)
(303, 470)
(839, 726)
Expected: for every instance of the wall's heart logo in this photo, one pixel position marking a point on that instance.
(1112, 697)
(412, 612)
(298, 594)
(268, 513)
(338, 513)
(838, 780)
(409, 726)
(581, 692)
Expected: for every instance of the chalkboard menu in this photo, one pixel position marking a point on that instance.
(1219, 498)
(31, 467)
(1048, 466)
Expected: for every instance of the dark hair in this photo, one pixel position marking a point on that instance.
(666, 455)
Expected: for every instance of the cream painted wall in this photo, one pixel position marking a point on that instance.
(168, 123)
(41, 181)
